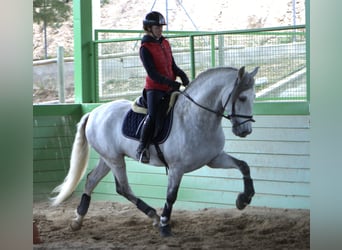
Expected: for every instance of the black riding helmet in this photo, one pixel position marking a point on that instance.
(153, 18)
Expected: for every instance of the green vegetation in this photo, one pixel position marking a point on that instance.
(50, 13)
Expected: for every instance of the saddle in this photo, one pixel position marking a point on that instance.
(134, 119)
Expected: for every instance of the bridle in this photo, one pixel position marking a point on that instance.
(248, 118)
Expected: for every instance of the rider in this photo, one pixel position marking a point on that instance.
(162, 71)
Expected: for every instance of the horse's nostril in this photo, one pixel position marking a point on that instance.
(245, 133)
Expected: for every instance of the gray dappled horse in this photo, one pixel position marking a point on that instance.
(195, 139)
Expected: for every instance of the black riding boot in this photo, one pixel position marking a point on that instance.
(143, 153)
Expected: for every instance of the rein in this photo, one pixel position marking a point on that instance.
(221, 113)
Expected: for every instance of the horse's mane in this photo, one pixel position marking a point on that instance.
(243, 85)
(207, 72)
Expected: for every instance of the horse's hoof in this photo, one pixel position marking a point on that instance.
(155, 221)
(154, 217)
(75, 225)
(165, 231)
(242, 201)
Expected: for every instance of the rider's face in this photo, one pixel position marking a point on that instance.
(157, 31)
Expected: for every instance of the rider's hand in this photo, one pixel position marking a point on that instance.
(175, 85)
(185, 80)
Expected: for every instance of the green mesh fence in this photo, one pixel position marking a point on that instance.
(279, 52)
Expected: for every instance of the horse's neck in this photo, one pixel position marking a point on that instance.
(213, 89)
(207, 93)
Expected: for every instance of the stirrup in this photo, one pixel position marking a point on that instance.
(144, 156)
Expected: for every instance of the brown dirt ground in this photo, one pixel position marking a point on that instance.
(111, 225)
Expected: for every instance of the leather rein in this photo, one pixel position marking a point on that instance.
(221, 113)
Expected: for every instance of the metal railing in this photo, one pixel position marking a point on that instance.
(280, 52)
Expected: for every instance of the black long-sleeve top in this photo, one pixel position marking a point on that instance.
(150, 67)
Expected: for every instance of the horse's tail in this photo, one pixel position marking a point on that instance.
(78, 164)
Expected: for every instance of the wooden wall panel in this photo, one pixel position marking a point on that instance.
(53, 135)
(277, 152)
(278, 156)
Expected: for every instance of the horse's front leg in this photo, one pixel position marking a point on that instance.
(174, 179)
(223, 160)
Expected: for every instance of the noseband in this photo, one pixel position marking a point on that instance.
(248, 118)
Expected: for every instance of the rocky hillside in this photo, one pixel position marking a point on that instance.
(182, 15)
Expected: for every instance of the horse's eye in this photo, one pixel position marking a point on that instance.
(242, 98)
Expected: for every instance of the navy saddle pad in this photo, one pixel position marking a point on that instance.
(133, 121)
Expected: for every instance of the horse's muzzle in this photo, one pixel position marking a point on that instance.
(245, 133)
(242, 129)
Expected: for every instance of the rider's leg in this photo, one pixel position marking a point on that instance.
(153, 100)
(145, 137)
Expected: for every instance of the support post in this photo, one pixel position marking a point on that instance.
(221, 50)
(213, 50)
(83, 52)
(60, 74)
(308, 49)
(192, 57)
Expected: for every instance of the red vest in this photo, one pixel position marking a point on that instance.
(162, 58)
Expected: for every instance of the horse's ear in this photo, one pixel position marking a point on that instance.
(254, 72)
(241, 72)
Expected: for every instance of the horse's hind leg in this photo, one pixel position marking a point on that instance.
(93, 178)
(224, 160)
(123, 188)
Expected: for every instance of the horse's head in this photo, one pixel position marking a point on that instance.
(241, 103)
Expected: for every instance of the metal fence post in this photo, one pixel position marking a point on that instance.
(60, 73)
(221, 50)
(192, 57)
